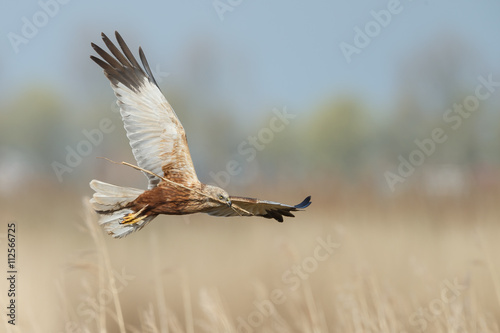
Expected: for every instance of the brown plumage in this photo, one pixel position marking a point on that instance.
(160, 148)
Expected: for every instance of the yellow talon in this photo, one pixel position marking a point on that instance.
(129, 219)
(132, 218)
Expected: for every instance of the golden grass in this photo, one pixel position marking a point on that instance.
(405, 264)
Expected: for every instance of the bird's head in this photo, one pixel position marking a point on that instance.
(218, 194)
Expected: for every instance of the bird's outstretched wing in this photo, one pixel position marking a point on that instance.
(256, 207)
(155, 133)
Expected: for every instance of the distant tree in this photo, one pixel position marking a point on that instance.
(338, 136)
(33, 123)
(430, 83)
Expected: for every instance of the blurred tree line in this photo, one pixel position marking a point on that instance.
(341, 138)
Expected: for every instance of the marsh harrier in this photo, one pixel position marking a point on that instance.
(160, 148)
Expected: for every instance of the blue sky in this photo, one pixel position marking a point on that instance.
(266, 52)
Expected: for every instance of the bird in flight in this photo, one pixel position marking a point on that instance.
(160, 148)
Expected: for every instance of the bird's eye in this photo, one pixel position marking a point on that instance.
(221, 197)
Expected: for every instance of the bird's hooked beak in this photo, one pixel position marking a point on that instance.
(229, 203)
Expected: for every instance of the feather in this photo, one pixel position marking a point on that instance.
(155, 133)
(256, 207)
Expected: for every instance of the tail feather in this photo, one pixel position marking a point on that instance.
(110, 202)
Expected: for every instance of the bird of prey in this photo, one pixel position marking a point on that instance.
(160, 148)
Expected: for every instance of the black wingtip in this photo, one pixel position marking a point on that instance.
(146, 66)
(304, 204)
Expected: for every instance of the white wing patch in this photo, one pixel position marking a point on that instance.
(151, 131)
(155, 133)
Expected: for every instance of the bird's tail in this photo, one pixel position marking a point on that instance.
(110, 202)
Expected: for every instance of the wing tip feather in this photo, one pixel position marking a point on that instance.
(117, 64)
(305, 203)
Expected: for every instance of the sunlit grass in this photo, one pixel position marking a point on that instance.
(406, 264)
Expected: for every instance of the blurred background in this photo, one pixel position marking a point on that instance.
(386, 112)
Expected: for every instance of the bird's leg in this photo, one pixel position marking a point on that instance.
(133, 218)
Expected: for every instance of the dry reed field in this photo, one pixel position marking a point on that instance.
(355, 262)
(385, 112)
